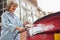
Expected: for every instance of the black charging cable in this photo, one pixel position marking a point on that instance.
(18, 33)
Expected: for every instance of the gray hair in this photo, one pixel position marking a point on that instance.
(8, 5)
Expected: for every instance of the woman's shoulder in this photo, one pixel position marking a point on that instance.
(5, 13)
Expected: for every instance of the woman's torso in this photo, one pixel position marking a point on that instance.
(5, 33)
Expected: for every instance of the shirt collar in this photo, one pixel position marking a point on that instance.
(9, 13)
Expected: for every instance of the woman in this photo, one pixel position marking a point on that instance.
(10, 23)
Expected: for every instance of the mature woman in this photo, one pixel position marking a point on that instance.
(10, 23)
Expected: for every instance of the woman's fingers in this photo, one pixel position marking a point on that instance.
(22, 29)
(25, 23)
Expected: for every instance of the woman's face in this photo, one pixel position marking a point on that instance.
(12, 8)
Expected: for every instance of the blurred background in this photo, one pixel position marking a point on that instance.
(31, 10)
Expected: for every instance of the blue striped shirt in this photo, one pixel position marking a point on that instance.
(9, 24)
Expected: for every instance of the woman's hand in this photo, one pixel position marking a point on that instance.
(26, 23)
(21, 29)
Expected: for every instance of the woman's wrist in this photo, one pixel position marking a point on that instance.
(21, 29)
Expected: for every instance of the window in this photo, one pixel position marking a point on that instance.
(4, 0)
(5, 4)
(2, 8)
(27, 11)
(1, 1)
(1, 11)
(30, 19)
(23, 3)
(28, 6)
(23, 15)
(0, 18)
(1, 5)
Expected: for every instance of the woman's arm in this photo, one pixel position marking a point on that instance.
(10, 26)
(21, 29)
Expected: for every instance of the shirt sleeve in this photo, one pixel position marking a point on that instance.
(6, 24)
(20, 24)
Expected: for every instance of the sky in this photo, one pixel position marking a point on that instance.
(49, 5)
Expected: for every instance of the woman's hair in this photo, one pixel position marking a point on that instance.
(8, 5)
